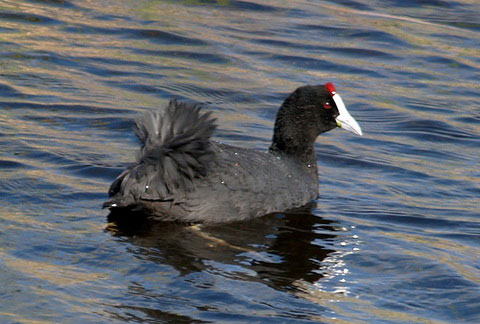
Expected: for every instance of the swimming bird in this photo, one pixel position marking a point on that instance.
(182, 174)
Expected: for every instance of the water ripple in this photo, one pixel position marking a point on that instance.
(392, 236)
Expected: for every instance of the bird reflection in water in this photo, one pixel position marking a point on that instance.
(278, 249)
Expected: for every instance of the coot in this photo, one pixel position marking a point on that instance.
(181, 174)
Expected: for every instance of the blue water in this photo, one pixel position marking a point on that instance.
(394, 236)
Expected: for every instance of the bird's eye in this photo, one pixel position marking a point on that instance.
(327, 105)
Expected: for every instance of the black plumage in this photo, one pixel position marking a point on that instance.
(181, 174)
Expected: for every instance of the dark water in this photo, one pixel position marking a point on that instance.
(393, 237)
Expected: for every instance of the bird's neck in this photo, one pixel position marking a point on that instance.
(302, 152)
(293, 137)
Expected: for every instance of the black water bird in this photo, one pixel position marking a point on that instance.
(181, 174)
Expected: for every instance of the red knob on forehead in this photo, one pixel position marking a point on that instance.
(330, 87)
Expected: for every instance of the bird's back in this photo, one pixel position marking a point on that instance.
(243, 183)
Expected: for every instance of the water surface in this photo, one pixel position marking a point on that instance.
(393, 236)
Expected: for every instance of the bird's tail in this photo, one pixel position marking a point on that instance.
(175, 149)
